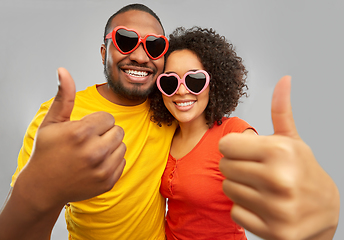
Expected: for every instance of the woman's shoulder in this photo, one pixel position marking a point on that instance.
(232, 120)
(234, 124)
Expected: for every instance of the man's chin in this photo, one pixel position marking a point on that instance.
(136, 93)
(130, 91)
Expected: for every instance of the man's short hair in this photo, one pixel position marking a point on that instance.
(135, 6)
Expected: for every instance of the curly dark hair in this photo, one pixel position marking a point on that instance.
(228, 74)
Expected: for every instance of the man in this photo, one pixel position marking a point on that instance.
(133, 208)
(71, 161)
(74, 161)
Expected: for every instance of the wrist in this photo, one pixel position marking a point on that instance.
(24, 216)
(34, 194)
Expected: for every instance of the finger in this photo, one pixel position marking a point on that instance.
(249, 173)
(117, 160)
(111, 139)
(248, 147)
(114, 165)
(103, 146)
(249, 220)
(96, 123)
(63, 104)
(281, 111)
(244, 195)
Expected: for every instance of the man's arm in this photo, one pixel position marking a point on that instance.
(70, 161)
(20, 219)
(278, 188)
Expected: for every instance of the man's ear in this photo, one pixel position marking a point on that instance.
(103, 52)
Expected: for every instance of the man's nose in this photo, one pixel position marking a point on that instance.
(139, 55)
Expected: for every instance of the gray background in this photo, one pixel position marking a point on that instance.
(303, 39)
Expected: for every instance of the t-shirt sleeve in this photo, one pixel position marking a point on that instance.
(26, 149)
(235, 124)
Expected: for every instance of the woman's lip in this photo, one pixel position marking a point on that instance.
(184, 105)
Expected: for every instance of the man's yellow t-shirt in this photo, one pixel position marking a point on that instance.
(134, 208)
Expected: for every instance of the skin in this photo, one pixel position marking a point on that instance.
(278, 188)
(116, 63)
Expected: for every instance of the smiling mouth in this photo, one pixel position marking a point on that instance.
(136, 73)
(184, 104)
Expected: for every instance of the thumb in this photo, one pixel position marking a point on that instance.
(281, 111)
(62, 106)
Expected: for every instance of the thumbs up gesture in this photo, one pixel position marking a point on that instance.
(278, 188)
(73, 160)
(70, 161)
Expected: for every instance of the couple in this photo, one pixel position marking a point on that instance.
(109, 179)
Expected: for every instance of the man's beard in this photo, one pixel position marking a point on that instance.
(118, 88)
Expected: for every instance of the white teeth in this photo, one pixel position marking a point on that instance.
(184, 104)
(136, 73)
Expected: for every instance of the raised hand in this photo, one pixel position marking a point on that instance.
(75, 159)
(278, 188)
(71, 161)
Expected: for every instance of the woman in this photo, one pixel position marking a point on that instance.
(203, 81)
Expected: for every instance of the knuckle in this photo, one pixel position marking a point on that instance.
(282, 148)
(282, 183)
(118, 155)
(94, 155)
(103, 175)
(122, 149)
(105, 116)
(119, 132)
(80, 132)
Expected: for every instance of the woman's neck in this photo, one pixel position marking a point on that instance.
(187, 137)
(190, 129)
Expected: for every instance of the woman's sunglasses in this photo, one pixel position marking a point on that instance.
(127, 40)
(194, 81)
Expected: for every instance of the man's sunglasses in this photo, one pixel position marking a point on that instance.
(194, 81)
(127, 40)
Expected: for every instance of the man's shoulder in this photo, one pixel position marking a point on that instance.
(88, 90)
